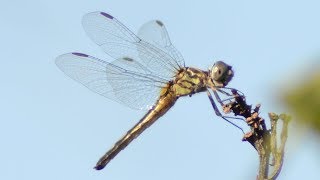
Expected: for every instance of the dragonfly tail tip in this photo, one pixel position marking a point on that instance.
(99, 167)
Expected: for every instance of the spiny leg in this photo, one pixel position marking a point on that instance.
(235, 94)
(222, 104)
(216, 110)
(233, 90)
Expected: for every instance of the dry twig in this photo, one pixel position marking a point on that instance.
(262, 139)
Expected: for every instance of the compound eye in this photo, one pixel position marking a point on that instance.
(219, 71)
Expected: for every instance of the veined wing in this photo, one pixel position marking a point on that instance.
(155, 33)
(124, 80)
(118, 41)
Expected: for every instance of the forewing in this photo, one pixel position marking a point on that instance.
(124, 80)
(155, 33)
(118, 41)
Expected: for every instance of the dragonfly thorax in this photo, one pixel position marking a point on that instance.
(189, 81)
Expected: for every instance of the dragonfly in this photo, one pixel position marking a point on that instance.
(147, 72)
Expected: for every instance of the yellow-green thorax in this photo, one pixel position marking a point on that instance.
(189, 81)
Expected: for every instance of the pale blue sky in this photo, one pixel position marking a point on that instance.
(53, 128)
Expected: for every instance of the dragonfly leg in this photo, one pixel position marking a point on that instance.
(216, 96)
(235, 93)
(221, 102)
(231, 89)
(217, 112)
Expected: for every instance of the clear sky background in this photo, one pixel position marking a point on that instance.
(53, 128)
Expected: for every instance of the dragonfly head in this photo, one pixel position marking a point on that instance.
(221, 73)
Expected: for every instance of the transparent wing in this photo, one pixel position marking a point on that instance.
(155, 33)
(118, 41)
(125, 80)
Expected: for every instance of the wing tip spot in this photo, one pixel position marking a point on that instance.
(159, 23)
(80, 54)
(128, 59)
(106, 15)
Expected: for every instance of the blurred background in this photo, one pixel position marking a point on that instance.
(54, 128)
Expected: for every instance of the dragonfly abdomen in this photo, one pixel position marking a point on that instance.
(161, 107)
